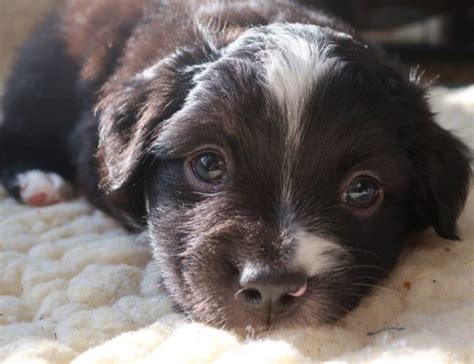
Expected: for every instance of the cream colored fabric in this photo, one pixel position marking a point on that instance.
(75, 286)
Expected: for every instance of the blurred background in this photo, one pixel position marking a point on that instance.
(17, 20)
(438, 35)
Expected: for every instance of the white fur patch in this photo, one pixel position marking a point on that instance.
(315, 255)
(41, 188)
(290, 74)
(148, 74)
(291, 67)
(290, 77)
(291, 64)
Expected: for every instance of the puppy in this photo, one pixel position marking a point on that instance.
(276, 159)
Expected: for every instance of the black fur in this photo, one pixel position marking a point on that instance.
(78, 104)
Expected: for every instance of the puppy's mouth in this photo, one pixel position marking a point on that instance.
(299, 292)
(271, 304)
(307, 305)
(304, 311)
(265, 298)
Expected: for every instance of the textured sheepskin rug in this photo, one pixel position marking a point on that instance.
(76, 287)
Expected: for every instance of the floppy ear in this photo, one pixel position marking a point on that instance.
(443, 174)
(123, 135)
(441, 161)
(129, 115)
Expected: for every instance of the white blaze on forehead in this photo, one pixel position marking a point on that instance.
(292, 57)
(315, 255)
(290, 72)
(291, 64)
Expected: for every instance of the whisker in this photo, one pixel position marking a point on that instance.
(360, 250)
(378, 288)
(371, 266)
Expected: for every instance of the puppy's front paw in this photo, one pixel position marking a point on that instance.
(38, 188)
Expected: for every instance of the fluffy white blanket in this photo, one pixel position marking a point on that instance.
(75, 287)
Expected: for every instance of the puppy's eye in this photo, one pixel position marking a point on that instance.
(362, 192)
(209, 167)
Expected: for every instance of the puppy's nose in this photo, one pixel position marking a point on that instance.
(264, 290)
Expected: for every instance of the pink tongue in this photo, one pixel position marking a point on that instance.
(299, 292)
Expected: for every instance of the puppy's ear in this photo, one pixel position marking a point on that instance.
(443, 173)
(123, 135)
(131, 111)
(441, 161)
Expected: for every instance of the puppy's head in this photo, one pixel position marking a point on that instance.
(280, 173)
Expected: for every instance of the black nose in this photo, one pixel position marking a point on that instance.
(265, 290)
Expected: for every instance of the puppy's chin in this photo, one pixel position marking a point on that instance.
(313, 310)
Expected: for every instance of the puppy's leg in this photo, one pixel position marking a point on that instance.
(37, 188)
(40, 107)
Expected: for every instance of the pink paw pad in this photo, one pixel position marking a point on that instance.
(39, 188)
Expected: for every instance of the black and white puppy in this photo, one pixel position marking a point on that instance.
(277, 161)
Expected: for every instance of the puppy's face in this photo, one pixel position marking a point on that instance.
(281, 184)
